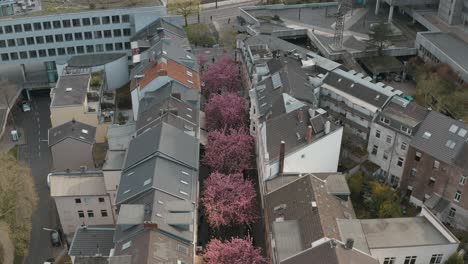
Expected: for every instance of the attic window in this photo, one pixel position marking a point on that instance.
(298, 136)
(314, 204)
(130, 173)
(164, 52)
(148, 181)
(159, 215)
(185, 173)
(188, 56)
(189, 109)
(160, 202)
(450, 144)
(84, 131)
(462, 132)
(453, 128)
(189, 73)
(427, 135)
(189, 116)
(184, 182)
(190, 81)
(184, 193)
(69, 89)
(127, 191)
(352, 85)
(126, 245)
(339, 80)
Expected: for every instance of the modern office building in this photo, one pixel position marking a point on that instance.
(51, 38)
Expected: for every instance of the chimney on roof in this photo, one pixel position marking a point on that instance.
(300, 116)
(176, 95)
(150, 225)
(349, 243)
(309, 134)
(281, 158)
(327, 127)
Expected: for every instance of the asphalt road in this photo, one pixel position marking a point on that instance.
(36, 153)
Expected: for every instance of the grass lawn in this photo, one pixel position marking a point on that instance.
(13, 151)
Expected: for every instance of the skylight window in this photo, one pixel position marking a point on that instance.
(126, 245)
(450, 144)
(148, 181)
(185, 173)
(184, 193)
(84, 131)
(453, 128)
(126, 191)
(184, 182)
(427, 135)
(462, 132)
(188, 56)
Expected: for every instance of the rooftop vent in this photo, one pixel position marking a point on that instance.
(314, 204)
(349, 243)
(427, 135)
(69, 89)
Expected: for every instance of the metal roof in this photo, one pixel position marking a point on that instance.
(89, 241)
(94, 59)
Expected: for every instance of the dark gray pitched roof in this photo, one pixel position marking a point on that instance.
(163, 140)
(435, 138)
(72, 129)
(90, 241)
(91, 260)
(325, 253)
(357, 90)
(159, 27)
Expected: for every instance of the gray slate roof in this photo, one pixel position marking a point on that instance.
(438, 144)
(91, 241)
(79, 85)
(163, 140)
(72, 129)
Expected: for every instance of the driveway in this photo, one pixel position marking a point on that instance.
(36, 153)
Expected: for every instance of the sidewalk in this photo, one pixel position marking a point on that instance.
(5, 141)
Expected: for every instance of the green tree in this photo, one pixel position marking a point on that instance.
(379, 35)
(389, 209)
(355, 184)
(454, 259)
(183, 8)
(381, 193)
(227, 38)
(200, 35)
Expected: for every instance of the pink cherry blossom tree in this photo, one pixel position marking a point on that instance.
(228, 199)
(234, 251)
(225, 111)
(228, 151)
(221, 76)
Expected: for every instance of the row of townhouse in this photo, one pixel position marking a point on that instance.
(301, 105)
(141, 204)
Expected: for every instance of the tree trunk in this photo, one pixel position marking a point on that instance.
(216, 3)
(185, 18)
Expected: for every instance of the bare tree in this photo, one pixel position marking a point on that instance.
(184, 8)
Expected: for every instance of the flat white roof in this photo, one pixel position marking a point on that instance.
(77, 185)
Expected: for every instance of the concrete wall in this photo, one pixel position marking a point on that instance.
(451, 11)
(117, 74)
(423, 253)
(139, 18)
(72, 154)
(112, 180)
(68, 209)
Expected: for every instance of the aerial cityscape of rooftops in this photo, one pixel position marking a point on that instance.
(234, 132)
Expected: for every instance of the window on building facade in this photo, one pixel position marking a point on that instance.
(385, 155)
(374, 150)
(14, 56)
(101, 199)
(71, 50)
(117, 33)
(127, 45)
(5, 57)
(410, 260)
(30, 40)
(76, 22)
(80, 49)
(69, 37)
(2, 43)
(413, 172)
(20, 41)
(436, 259)
(86, 21)
(27, 27)
(118, 46)
(109, 47)
(59, 38)
(127, 32)
(107, 34)
(47, 25)
(23, 55)
(436, 164)
(385, 120)
(66, 23)
(389, 139)
(462, 180)
(96, 21)
(89, 48)
(457, 196)
(452, 212)
(390, 260)
(32, 54)
(417, 156)
(105, 20)
(18, 28)
(11, 43)
(126, 18)
(51, 52)
(8, 29)
(77, 200)
(377, 133)
(80, 214)
(49, 39)
(57, 24)
(104, 213)
(78, 36)
(39, 40)
(400, 162)
(115, 19)
(88, 35)
(97, 34)
(90, 213)
(61, 51)
(99, 48)
(37, 26)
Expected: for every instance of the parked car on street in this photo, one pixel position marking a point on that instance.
(25, 106)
